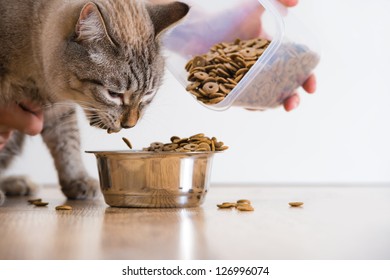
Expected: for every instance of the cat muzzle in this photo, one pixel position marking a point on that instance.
(113, 130)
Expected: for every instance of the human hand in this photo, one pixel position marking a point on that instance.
(26, 117)
(309, 85)
(245, 23)
(293, 101)
(252, 27)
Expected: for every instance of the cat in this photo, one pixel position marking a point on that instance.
(104, 56)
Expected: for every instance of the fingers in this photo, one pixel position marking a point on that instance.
(310, 84)
(25, 117)
(291, 102)
(289, 3)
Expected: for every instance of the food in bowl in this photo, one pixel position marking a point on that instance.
(195, 143)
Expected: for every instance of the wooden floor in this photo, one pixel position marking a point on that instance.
(336, 222)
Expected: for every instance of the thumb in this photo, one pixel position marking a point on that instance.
(17, 117)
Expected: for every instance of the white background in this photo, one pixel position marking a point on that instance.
(340, 134)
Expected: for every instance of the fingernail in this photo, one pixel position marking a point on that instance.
(294, 105)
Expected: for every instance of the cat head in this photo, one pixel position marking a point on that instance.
(114, 59)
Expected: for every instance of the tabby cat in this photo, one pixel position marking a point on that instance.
(104, 56)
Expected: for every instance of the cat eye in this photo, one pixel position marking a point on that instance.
(114, 94)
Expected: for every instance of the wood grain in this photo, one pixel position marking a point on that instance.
(335, 222)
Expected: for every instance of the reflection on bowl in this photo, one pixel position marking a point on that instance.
(153, 179)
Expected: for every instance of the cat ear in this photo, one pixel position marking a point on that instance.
(163, 16)
(90, 26)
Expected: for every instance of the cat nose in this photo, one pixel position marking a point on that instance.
(126, 126)
(129, 119)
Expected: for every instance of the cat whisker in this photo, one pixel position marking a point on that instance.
(97, 117)
(71, 106)
(99, 124)
(90, 111)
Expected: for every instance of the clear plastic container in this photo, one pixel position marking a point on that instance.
(286, 63)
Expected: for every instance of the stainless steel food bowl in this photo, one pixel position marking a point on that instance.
(153, 179)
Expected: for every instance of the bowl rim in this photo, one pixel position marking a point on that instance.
(142, 152)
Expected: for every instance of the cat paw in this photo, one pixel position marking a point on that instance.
(2, 197)
(18, 186)
(82, 188)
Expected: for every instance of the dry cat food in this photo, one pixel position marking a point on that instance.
(195, 143)
(241, 205)
(128, 143)
(215, 74)
(34, 200)
(226, 205)
(64, 207)
(286, 71)
(37, 202)
(40, 203)
(295, 204)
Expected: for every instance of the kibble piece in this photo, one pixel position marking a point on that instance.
(224, 90)
(212, 146)
(244, 201)
(191, 147)
(170, 147)
(216, 95)
(230, 86)
(182, 140)
(261, 43)
(157, 145)
(193, 86)
(242, 71)
(174, 139)
(189, 65)
(210, 88)
(128, 143)
(238, 78)
(230, 49)
(40, 203)
(226, 205)
(223, 148)
(245, 207)
(219, 144)
(204, 146)
(295, 204)
(64, 207)
(214, 100)
(241, 204)
(32, 201)
(248, 52)
(201, 76)
(199, 61)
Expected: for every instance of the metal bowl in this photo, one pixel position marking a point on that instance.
(154, 179)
